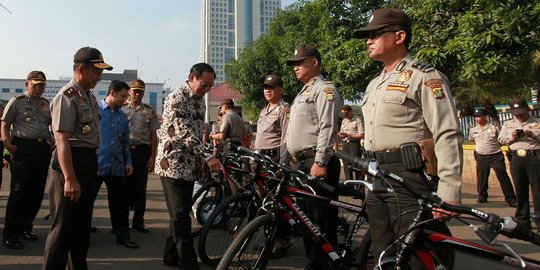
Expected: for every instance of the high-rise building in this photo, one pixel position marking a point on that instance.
(228, 25)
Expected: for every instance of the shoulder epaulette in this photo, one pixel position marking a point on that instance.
(19, 96)
(70, 92)
(44, 99)
(423, 67)
(147, 106)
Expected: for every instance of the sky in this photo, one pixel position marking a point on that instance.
(160, 38)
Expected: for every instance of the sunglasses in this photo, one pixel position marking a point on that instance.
(376, 34)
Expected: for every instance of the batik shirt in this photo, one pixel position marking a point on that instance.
(182, 129)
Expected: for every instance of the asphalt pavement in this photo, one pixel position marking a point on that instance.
(105, 253)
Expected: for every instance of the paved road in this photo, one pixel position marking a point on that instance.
(106, 254)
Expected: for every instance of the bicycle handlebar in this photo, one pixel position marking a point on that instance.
(506, 225)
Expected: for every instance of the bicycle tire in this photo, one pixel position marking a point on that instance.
(212, 188)
(257, 236)
(221, 233)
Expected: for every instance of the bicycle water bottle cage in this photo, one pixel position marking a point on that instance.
(411, 155)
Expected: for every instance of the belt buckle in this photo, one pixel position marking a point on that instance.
(294, 159)
(521, 153)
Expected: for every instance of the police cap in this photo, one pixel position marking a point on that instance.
(273, 80)
(382, 18)
(302, 52)
(92, 56)
(36, 77)
(518, 106)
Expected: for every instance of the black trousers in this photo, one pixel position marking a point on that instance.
(526, 172)
(323, 215)
(353, 148)
(69, 232)
(484, 163)
(1, 160)
(138, 182)
(118, 206)
(29, 168)
(385, 214)
(179, 244)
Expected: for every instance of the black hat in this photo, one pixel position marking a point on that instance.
(273, 80)
(89, 55)
(518, 106)
(479, 112)
(229, 102)
(382, 18)
(136, 85)
(302, 52)
(36, 77)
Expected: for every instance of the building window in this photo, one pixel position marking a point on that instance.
(153, 99)
(231, 22)
(5, 90)
(231, 39)
(18, 90)
(229, 55)
(231, 6)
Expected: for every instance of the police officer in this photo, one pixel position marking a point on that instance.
(488, 155)
(75, 123)
(232, 128)
(273, 120)
(409, 101)
(311, 134)
(522, 135)
(28, 116)
(351, 132)
(143, 125)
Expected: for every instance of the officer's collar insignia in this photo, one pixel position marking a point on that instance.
(397, 87)
(70, 92)
(404, 76)
(277, 109)
(401, 65)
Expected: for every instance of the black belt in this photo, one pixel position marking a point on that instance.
(40, 140)
(524, 153)
(270, 152)
(389, 156)
(353, 141)
(487, 155)
(137, 146)
(303, 155)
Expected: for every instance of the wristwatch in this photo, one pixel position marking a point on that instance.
(320, 164)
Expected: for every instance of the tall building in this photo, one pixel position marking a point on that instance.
(228, 25)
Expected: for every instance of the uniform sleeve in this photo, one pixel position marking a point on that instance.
(154, 123)
(441, 118)
(63, 113)
(327, 105)
(360, 125)
(505, 137)
(225, 125)
(283, 122)
(10, 112)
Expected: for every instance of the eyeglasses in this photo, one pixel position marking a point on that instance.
(376, 34)
(206, 85)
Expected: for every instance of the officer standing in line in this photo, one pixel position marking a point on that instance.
(351, 132)
(273, 120)
(311, 134)
(75, 123)
(488, 155)
(522, 135)
(408, 102)
(143, 125)
(232, 128)
(29, 141)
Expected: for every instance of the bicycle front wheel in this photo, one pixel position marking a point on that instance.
(253, 246)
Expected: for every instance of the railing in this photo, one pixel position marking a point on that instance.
(466, 122)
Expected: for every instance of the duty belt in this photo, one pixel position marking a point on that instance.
(270, 152)
(524, 153)
(387, 156)
(303, 155)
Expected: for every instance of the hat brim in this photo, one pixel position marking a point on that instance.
(272, 85)
(136, 88)
(478, 114)
(38, 81)
(518, 111)
(295, 59)
(363, 32)
(103, 66)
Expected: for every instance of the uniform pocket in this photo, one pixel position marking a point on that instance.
(393, 107)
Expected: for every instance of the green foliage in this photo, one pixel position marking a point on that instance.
(489, 49)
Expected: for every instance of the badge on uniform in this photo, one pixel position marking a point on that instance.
(86, 130)
(82, 102)
(329, 93)
(397, 87)
(404, 76)
(45, 108)
(436, 86)
(535, 125)
(521, 153)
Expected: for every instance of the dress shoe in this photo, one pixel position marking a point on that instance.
(128, 243)
(141, 228)
(14, 243)
(171, 263)
(92, 229)
(29, 236)
(481, 200)
(511, 203)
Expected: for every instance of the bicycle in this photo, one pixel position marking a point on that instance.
(423, 243)
(252, 247)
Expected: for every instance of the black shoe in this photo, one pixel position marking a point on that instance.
(141, 228)
(92, 229)
(128, 243)
(171, 263)
(481, 200)
(29, 236)
(14, 243)
(511, 203)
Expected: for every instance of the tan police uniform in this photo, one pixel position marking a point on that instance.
(524, 155)
(409, 104)
(142, 121)
(232, 126)
(272, 128)
(355, 125)
(488, 155)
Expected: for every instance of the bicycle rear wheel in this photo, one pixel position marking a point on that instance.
(253, 246)
(223, 225)
(203, 203)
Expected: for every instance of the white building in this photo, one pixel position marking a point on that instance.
(228, 25)
(154, 92)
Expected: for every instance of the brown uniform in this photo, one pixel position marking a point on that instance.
(271, 130)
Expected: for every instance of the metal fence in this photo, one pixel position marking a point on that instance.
(466, 122)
